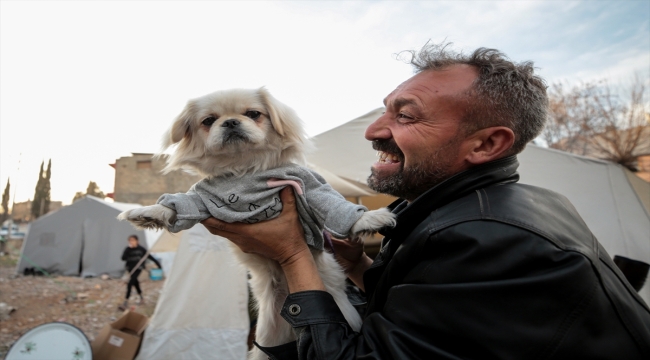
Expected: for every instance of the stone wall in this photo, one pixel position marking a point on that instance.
(22, 211)
(138, 179)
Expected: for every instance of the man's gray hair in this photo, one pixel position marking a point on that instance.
(504, 94)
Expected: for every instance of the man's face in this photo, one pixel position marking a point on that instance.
(419, 138)
(133, 242)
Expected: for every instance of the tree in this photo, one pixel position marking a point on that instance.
(41, 202)
(47, 196)
(38, 195)
(78, 195)
(92, 189)
(5, 203)
(592, 120)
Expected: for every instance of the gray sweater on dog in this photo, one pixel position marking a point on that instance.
(256, 197)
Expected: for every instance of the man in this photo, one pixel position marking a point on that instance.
(478, 266)
(133, 256)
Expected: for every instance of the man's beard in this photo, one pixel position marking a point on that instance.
(409, 183)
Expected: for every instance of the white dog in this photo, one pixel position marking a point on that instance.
(248, 146)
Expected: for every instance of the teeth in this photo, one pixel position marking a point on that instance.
(387, 158)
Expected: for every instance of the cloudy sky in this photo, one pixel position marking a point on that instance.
(86, 82)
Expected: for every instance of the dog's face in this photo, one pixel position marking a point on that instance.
(226, 122)
(235, 132)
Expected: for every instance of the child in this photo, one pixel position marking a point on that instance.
(132, 255)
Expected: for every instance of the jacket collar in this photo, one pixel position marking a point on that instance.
(499, 171)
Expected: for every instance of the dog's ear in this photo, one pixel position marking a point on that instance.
(283, 118)
(181, 127)
(277, 111)
(286, 122)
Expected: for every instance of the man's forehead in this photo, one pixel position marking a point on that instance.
(399, 101)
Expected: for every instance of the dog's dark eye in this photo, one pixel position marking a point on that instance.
(253, 114)
(209, 121)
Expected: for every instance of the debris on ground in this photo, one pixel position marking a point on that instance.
(5, 311)
(87, 303)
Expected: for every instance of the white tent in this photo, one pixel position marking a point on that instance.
(83, 238)
(614, 203)
(345, 152)
(167, 242)
(165, 247)
(605, 195)
(202, 312)
(342, 186)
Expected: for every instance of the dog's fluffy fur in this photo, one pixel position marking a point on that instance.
(238, 132)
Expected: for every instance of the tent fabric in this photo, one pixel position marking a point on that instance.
(603, 194)
(345, 152)
(612, 201)
(81, 239)
(202, 312)
(641, 187)
(342, 186)
(167, 242)
(165, 247)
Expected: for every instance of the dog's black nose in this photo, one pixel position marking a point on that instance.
(231, 123)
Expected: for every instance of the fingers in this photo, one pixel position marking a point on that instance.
(356, 239)
(351, 241)
(219, 228)
(214, 223)
(242, 233)
(342, 243)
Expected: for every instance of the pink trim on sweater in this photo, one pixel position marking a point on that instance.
(279, 182)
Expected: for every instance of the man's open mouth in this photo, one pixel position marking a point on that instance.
(386, 158)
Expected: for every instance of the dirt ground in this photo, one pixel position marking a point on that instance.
(88, 303)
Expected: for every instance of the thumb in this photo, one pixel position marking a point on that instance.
(288, 198)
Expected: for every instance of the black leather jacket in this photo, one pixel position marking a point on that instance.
(481, 267)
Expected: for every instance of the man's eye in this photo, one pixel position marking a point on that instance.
(253, 114)
(209, 121)
(404, 116)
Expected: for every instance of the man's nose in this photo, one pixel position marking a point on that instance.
(379, 129)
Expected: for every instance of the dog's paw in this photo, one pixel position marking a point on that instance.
(150, 217)
(372, 221)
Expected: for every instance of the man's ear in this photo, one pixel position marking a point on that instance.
(489, 144)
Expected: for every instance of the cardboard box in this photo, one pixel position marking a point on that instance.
(120, 340)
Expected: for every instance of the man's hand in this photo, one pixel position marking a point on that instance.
(348, 252)
(350, 255)
(281, 239)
